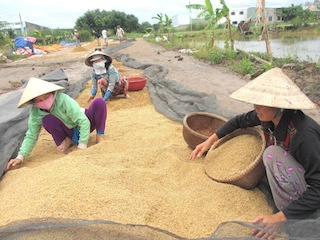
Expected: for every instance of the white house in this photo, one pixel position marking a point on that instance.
(185, 19)
(238, 15)
(23, 28)
(181, 19)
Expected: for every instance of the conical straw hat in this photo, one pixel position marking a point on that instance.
(95, 53)
(36, 87)
(273, 89)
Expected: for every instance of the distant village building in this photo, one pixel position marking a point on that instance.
(183, 21)
(313, 7)
(238, 15)
(241, 15)
(316, 3)
(24, 28)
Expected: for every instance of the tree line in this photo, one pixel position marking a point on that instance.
(98, 20)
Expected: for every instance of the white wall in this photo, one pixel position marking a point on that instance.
(238, 14)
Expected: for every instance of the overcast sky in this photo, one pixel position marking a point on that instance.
(63, 14)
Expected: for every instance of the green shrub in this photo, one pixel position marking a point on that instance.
(229, 54)
(245, 66)
(85, 35)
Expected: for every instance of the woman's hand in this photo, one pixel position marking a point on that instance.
(203, 147)
(90, 98)
(12, 163)
(268, 225)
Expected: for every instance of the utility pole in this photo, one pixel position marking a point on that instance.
(190, 18)
(265, 28)
(21, 25)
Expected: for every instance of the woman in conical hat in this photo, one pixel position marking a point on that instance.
(61, 116)
(292, 154)
(106, 76)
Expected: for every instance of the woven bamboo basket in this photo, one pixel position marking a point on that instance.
(248, 177)
(199, 126)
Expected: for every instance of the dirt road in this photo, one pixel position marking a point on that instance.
(191, 72)
(212, 79)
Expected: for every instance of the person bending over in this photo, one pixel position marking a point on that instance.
(292, 153)
(61, 116)
(106, 76)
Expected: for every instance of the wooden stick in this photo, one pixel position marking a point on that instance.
(260, 60)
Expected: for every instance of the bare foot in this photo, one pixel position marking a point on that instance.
(99, 138)
(66, 143)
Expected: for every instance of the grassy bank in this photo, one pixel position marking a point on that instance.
(240, 62)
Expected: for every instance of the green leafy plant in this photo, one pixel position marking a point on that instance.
(245, 66)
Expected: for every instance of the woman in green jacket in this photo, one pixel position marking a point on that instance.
(61, 116)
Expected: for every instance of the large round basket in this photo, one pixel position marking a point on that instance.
(252, 173)
(199, 126)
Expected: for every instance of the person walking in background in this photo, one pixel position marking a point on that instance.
(292, 153)
(120, 33)
(77, 37)
(97, 36)
(106, 76)
(105, 36)
(61, 116)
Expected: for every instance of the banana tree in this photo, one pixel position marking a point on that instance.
(159, 17)
(212, 16)
(206, 13)
(226, 13)
(167, 23)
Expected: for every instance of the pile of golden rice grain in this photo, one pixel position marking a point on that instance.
(140, 174)
(233, 156)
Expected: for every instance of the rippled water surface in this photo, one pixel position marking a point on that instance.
(303, 48)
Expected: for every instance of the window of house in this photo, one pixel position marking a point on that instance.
(241, 12)
(270, 18)
(233, 13)
(234, 23)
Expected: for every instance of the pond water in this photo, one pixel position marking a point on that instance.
(302, 48)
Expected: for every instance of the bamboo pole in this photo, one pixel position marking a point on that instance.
(265, 29)
(256, 58)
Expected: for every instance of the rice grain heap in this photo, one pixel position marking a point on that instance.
(232, 157)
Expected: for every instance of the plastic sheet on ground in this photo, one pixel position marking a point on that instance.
(67, 44)
(50, 49)
(172, 98)
(52, 228)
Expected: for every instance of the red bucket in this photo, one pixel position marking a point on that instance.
(136, 83)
